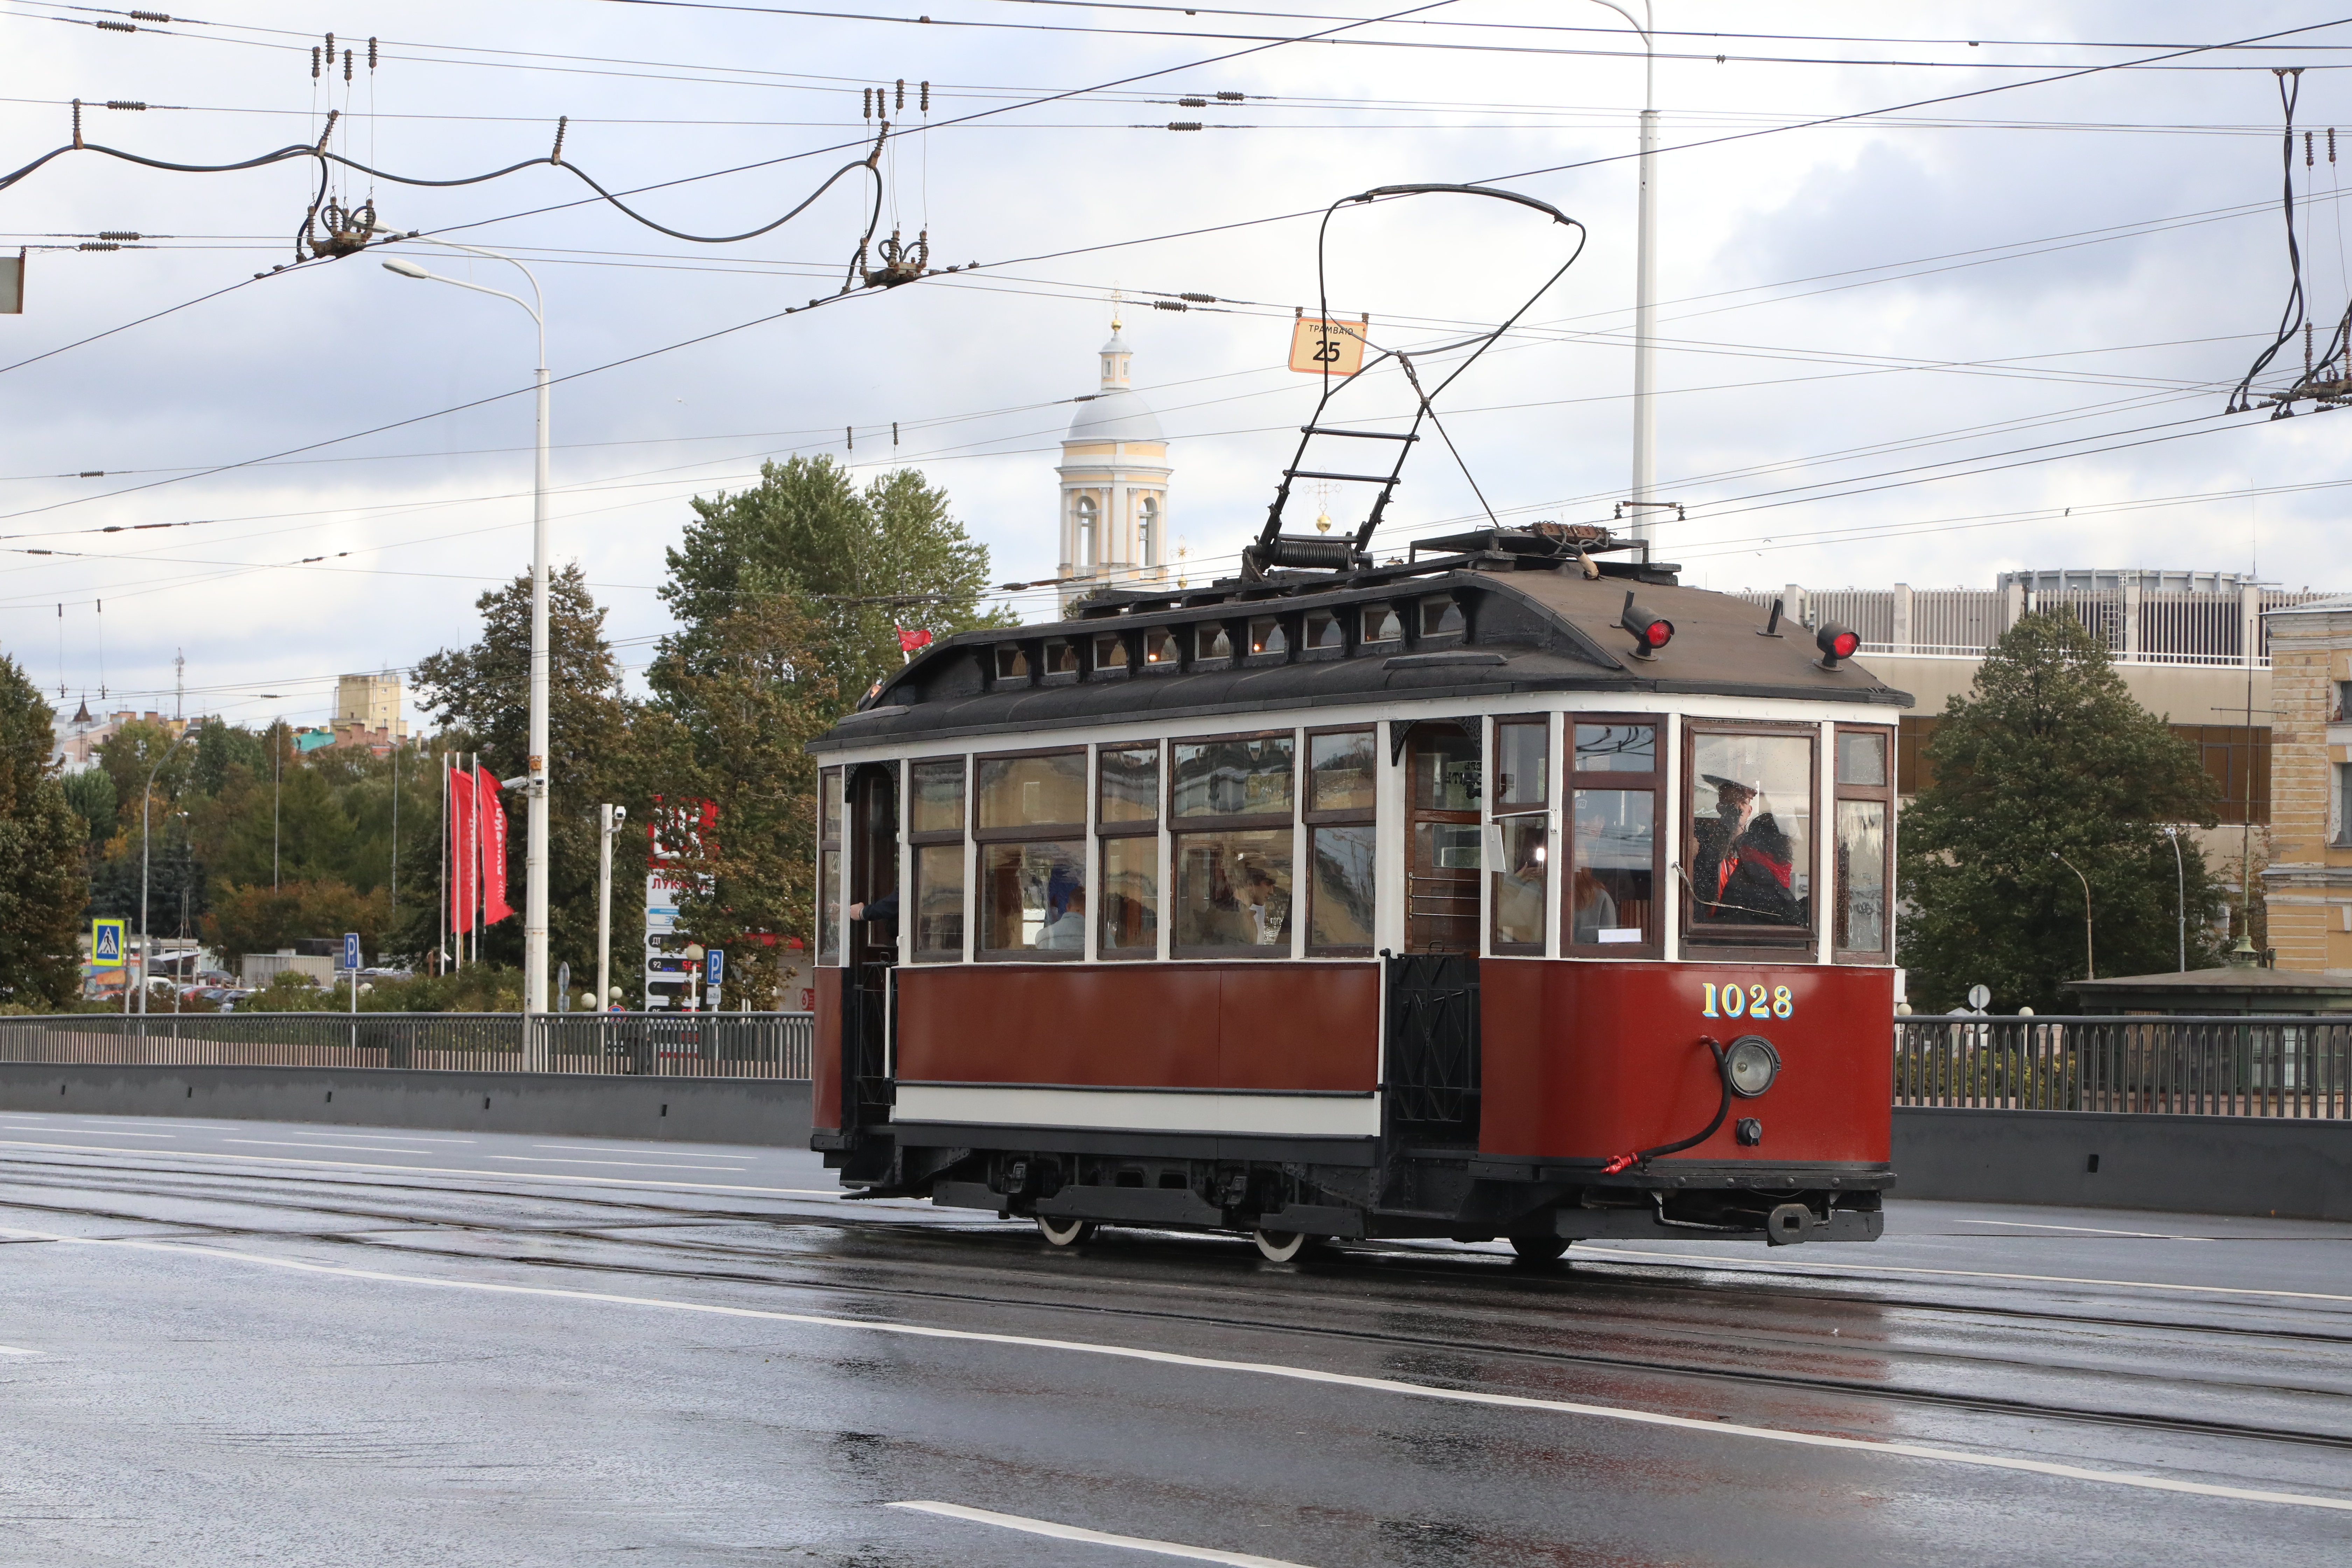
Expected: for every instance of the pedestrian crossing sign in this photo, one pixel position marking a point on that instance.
(106, 943)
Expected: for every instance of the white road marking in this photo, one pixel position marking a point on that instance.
(301, 1144)
(623, 1149)
(1699, 1260)
(12, 1350)
(100, 1132)
(2084, 1229)
(1259, 1369)
(632, 1164)
(834, 1193)
(1093, 1537)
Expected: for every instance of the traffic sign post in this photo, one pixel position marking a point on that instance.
(351, 965)
(714, 974)
(109, 946)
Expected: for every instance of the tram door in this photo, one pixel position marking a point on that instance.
(866, 996)
(1432, 986)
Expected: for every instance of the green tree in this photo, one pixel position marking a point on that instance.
(42, 885)
(90, 793)
(2047, 756)
(264, 919)
(732, 728)
(860, 563)
(485, 691)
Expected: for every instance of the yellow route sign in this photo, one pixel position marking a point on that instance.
(1321, 343)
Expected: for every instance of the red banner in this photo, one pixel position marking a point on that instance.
(913, 638)
(495, 907)
(461, 851)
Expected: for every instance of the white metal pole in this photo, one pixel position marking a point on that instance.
(604, 906)
(534, 931)
(1646, 286)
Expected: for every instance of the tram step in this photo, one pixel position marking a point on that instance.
(1160, 1205)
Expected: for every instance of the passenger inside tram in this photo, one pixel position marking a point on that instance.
(1747, 864)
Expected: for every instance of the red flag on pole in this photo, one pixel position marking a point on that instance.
(495, 907)
(462, 823)
(912, 638)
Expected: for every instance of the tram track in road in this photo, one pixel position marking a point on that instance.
(624, 1225)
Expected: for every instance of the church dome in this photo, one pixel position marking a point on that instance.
(1115, 416)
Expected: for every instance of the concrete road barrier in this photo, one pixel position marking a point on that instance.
(2288, 1167)
(581, 1105)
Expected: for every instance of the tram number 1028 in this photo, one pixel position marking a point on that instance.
(1738, 1001)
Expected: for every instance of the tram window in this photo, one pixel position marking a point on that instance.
(1011, 662)
(1380, 625)
(1110, 652)
(1523, 848)
(1037, 791)
(1522, 768)
(1615, 749)
(1242, 776)
(1233, 893)
(1445, 776)
(938, 901)
(1341, 771)
(1441, 617)
(1061, 658)
(1033, 899)
(1751, 842)
(937, 791)
(1159, 646)
(1266, 636)
(1861, 757)
(828, 869)
(1609, 883)
(1323, 631)
(1210, 641)
(1341, 774)
(1130, 898)
(1861, 909)
(1340, 918)
(1611, 900)
(1126, 786)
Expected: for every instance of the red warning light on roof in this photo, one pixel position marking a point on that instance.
(1836, 642)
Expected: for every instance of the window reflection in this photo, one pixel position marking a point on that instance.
(1323, 630)
(1520, 764)
(938, 791)
(1340, 771)
(1033, 898)
(1520, 881)
(1440, 615)
(1022, 792)
(1127, 785)
(1212, 643)
(1751, 828)
(1232, 891)
(1861, 922)
(1610, 896)
(938, 901)
(1862, 759)
(1616, 749)
(1380, 625)
(1342, 910)
(1265, 635)
(1233, 778)
(1130, 897)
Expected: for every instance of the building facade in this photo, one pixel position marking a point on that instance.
(2307, 886)
(367, 713)
(1114, 491)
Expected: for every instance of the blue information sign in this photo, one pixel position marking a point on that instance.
(106, 943)
(714, 967)
(351, 950)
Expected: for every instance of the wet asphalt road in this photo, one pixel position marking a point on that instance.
(272, 1344)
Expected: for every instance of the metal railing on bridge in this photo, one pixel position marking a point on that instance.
(672, 1045)
(2234, 1066)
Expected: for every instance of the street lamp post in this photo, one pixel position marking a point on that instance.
(2090, 968)
(608, 823)
(146, 807)
(1645, 284)
(2180, 896)
(534, 914)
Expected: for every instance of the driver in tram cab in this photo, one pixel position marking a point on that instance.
(881, 911)
(1746, 865)
(1267, 905)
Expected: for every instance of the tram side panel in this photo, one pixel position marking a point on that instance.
(825, 1058)
(1585, 1061)
(1244, 1026)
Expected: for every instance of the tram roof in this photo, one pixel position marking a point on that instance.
(1530, 628)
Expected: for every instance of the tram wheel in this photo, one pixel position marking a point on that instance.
(1066, 1233)
(1279, 1246)
(1539, 1248)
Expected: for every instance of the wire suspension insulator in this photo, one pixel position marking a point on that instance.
(561, 121)
(76, 122)
(149, 17)
(97, 245)
(314, 62)
(331, 48)
(902, 94)
(2306, 149)
(1199, 298)
(926, 107)
(1183, 125)
(866, 102)
(1192, 103)
(329, 130)
(130, 234)
(1169, 305)
(370, 54)
(104, 25)
(2331, 144)
(347, 65)
(1230, 97)
(124, 103)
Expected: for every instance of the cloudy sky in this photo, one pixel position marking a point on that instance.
(1926, 344)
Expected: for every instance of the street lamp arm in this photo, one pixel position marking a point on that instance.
(1641, 24)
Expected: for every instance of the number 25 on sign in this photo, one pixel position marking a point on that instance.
(1320, 345)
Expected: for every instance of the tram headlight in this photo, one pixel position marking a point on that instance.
(1750, 1063)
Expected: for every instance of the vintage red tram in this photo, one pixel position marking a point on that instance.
(1516, 890)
